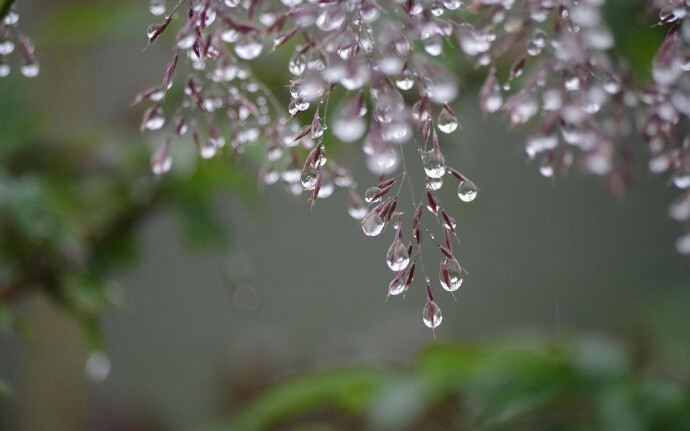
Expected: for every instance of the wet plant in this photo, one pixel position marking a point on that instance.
(547, 66)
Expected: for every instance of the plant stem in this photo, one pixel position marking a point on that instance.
(5, 8)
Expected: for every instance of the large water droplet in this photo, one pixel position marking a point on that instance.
(467, 191)
(434, 164)
(450, 275)
(397, 257)
(431, 316)
(248, 47)
(371, 193)
(372, 224)
(357, 209)
(434, 183)
(297, 64)
(157, 7)
(447, 122)
(207, 149)
(397, 286)
(308, 178)
(405, 81)
(6, 47)
(30, 69)
(681, 180)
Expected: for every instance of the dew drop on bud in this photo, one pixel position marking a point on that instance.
(157, 7)
(357, 210)
(154, 118)
(248, 47)
(405, 81)
(372, 224)
(434, 184)
(450, 275)
(370, 195)
(431, 316)
(30, 69)
(546, 168)
(6, 47)
(681, 180)
(161, 161)
(452, 4)
(397, 257)
(434, 163)
(151, 31)
(447, 122)
(397, 286)
(308, 178)
(297, 64)
(467, 191)
(207, 149)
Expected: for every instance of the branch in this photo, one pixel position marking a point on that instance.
(5, 8)
(47, 277)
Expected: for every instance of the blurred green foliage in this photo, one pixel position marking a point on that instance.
(69, 211)
(587, 384)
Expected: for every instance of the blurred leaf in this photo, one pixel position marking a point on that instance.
(5, 389)
(350, 391)
(86, 24)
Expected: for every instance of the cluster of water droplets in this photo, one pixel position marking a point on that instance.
(665, 105)
(14, 43)
(562, 82)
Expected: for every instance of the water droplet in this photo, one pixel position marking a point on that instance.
(297, 64)
(683, 245)
(97, 367)
(397, 286)
(681, 180)
(30, 69)
(370, 195)
(452, 4)
(434, 183)
(405, 81)
(397, 257)
(372, 224)
(467, 191)
(434, 46)
(6, 47)
(4, 70)
(12, 18)
(546, 168)
(248, 47)
(434, 163)
(490, 98)
(450, 275)
(151, 31)
(308, 178)
(207, 149)
(155, 118)
(157, 7)
(357, 209)
(161, 161)
(447, 122)
(431, 316)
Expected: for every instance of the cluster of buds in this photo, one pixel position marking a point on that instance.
(380, 55)
(665, 104)
(13, 40)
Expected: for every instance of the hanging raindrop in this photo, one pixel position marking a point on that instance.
(372, 224)
(431, 316)
(467, 191)
(434, 163)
